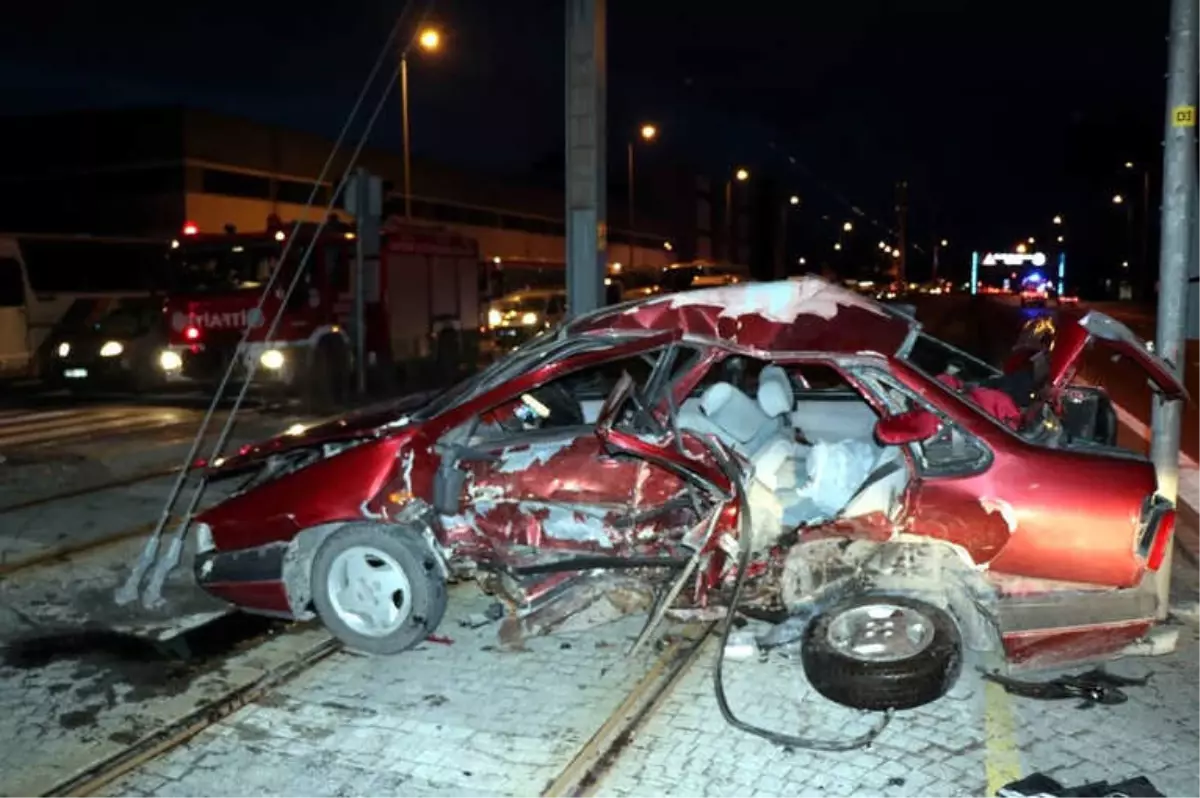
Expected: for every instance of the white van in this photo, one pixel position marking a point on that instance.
(45, 279)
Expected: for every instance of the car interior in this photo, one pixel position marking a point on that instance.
(811, 454)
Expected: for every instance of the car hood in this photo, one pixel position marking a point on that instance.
(1076, 328)
(369, 422)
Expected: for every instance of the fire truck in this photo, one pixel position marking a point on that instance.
(422, 287)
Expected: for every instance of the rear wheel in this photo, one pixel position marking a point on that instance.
(882, 652)
(378, 589)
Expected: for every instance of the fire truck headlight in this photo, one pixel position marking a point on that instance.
(494, 318)
(271, 359)
(529, 319)
(170, 361)
(112, 349)
(64, 349)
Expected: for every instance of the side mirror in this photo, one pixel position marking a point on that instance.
(904, 428)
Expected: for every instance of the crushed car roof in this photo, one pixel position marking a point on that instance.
(805, 314)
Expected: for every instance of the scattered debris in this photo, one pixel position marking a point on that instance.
(741, 646)
(475, 620)
(1097, 686)
(1040, 784)
(442, 639)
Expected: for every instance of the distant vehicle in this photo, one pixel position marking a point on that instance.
(425, 285)
(1036, 291)
(50, 281)
(122, 348)
(514, 319)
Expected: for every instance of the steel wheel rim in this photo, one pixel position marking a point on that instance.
(880, 632)
(369, 591)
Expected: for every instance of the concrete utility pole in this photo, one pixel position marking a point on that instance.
(1178, 203)
(587, 175)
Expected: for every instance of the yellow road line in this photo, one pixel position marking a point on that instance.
(1002, 757)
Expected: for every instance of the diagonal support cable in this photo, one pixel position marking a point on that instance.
(150, 552)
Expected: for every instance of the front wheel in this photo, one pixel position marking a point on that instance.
(882, 652)
(378, 589)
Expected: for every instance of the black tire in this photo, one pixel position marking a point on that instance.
(419, 563)
(897, 684)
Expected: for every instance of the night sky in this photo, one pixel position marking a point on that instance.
(999, 114)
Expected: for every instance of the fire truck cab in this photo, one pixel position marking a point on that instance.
(218, 280)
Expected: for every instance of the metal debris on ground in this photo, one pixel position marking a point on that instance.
(1097, 686)
(1039, 784)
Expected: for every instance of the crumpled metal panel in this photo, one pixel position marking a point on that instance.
(804, 314)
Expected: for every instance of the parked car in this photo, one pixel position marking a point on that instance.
(785, 446)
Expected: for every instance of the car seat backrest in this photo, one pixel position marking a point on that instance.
(735, 413)
(775, 396)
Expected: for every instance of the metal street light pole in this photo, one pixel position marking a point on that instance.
(648, 133)
(407, 146)
(1179, 200)
(429, 40)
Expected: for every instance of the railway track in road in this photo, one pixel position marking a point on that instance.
(582, 775)
(87, 490)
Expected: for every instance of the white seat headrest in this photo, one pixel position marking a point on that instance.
(775, 395)
(731, 410)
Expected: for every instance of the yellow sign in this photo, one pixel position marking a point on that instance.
(1184, 116)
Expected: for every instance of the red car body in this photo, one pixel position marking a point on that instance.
(1009, 530)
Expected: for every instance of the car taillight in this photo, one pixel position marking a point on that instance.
(1163, 532)
(192, 333)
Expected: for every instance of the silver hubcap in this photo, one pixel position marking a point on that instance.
(880, 633)
(369, 591)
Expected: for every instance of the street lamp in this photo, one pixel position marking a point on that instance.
(648, 133)
(1031, 240)
(741, 175)
(1118, 199)
(1022, 249)
(793, 200)
(1058, 220)
(883, 245)
(429, 40)
(848, 227)
(945, 243)
(837, 247)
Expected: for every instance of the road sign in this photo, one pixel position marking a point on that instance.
(1183, 116)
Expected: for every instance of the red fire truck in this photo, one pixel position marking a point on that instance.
(425, 282)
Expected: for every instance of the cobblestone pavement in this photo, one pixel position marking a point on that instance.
(462, 719)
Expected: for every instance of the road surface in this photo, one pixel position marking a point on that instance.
(250, 707)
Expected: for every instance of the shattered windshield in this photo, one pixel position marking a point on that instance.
(530, 355)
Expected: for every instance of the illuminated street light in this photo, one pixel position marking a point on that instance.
(1022, 249)
(1031, 241)
(802, 261)
(1117, 199)
(945, 243)
(794, 200)
(837, 247)
(649, 132)
(896, 252)
(883, 245)
(429, 40)
(1124, 264)
(1060, 239)
(847, 227)
(1129, 164)
(887, 249)
(742, 175)
(1058, 220)
(667, 246)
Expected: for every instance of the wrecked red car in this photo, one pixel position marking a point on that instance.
(788, 448)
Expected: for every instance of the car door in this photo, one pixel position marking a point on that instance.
(14, 320)
(533, 473)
